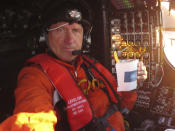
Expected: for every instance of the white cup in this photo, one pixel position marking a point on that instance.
(127, 74)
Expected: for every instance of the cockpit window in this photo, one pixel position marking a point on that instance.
(168, 15)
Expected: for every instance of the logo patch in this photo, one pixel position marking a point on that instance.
(130, 76)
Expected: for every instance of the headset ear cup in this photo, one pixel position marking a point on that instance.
(44, 41)
(87, 39)
(86, 42)
(46, 38)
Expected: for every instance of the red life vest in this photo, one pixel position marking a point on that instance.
(78, 109)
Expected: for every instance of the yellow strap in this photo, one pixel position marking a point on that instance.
(116, 57)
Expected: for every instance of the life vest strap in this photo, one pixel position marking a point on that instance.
(101, 123)
(103, 120)
(110, 86)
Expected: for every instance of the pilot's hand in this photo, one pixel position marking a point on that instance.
(141, 72)
(23, 121)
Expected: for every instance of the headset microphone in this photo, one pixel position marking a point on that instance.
(79, 52)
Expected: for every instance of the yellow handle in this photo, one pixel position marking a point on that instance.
(116, 57)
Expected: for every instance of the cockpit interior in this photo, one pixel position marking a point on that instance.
(136, 29)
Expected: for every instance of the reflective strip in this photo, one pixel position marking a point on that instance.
(58, 27)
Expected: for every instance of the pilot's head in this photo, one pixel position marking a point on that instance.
(67, 25)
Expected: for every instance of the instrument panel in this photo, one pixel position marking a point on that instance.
(137, 34)
(134, 35)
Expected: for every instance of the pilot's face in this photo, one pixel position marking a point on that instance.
(65, 39)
